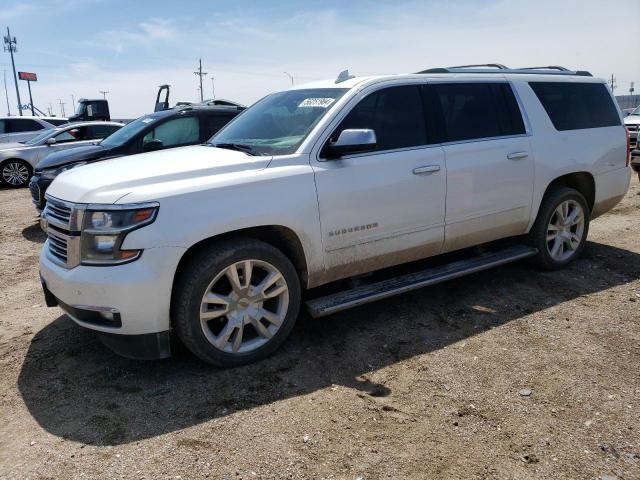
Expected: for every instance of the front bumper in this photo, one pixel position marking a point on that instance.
(38, 186)
(129, 299)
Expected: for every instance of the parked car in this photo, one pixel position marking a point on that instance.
(18, 160)
(635, 161)
(632, 122)
(160, 130)
(21, 129)
(216, 243)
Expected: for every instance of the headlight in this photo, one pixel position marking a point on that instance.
(104, 231)
(54, 172)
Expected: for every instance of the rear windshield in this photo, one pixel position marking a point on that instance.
(575, 106)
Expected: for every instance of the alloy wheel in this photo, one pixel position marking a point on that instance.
(565, 231)
(15, 173)
(244, 306)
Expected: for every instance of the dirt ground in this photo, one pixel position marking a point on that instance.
(511, 373)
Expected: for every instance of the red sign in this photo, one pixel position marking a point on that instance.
(32, 77)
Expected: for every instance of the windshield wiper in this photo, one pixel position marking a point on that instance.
(235, 146)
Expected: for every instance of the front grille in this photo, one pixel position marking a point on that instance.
(35, 192)
(61, 224)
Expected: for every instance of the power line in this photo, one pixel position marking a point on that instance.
(200, 73)
(10, 46)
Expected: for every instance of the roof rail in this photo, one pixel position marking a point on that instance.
(498, 68)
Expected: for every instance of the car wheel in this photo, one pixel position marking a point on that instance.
(235, 302)
(560, 231)
(15, 173)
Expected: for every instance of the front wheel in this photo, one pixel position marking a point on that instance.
(560, 231)
(15, 173)
(236, 302)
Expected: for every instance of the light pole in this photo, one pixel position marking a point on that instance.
(213, 89)
(10, 46)
(290, 77)
(73, 102)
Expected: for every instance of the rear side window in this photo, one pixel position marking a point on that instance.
(394, 113)
(212, 123)
(574, 106)
(478, 110)
(17, 125)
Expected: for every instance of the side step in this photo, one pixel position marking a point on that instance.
(319, 307)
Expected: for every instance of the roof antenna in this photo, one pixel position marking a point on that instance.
(344, 76)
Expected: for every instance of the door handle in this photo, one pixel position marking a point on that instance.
(426, 170)
(517, 155)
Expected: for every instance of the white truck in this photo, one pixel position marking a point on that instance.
(219, 243)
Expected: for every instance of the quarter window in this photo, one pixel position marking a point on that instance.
(181, 131)
(16, 125)
(478, 110)
(573, 106)
(394, 113)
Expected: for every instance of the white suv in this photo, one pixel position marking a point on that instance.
(216, 243)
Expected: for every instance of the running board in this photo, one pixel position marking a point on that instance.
(319, 307)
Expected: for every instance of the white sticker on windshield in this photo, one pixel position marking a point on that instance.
(317, 102)
(147, 120)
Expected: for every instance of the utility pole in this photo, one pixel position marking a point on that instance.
(6, 94)
(62, 104)
(290, 77)
(10, 46)
(73, 102)
(104, 94)
(612, 83)
(631, 90)
(213, 89)
(201, 74)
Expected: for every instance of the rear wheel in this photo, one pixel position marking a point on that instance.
(236, 302)
(15, 173)
(561, 229)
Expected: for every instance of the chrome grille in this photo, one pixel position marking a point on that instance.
(61, 222)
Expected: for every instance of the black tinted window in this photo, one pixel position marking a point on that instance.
(96, 132)
(23, 125)
(212, 123)
(56, 121)
(573, 106)
(396, 115)
(478, 110)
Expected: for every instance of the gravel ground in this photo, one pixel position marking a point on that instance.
(510, 373)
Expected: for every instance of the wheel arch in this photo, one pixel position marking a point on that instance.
(278, 236)
(583, 182)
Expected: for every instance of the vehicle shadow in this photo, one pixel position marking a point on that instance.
(77, 389)
(34, 233)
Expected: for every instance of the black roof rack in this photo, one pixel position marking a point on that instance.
(499, 68)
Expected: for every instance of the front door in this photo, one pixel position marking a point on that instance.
(387, 206)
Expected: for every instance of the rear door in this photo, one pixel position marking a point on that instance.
(489, 162)
(387, 206)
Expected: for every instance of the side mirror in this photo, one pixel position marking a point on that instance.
(152, 145)
(352, 140)
(51, 141)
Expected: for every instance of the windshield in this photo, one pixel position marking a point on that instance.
(39, 138)
(127, 132)
(279, 123)
(81, 108)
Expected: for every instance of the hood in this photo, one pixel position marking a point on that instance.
(76, 154)
(632, 120)
(151, 176)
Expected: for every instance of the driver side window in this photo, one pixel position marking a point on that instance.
(394, 113)
(71, 135)
(180, 131)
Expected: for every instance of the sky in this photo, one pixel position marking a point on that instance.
(129, 48)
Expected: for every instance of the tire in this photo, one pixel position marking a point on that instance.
(560, 242)
(209, 314)
(15, 173)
